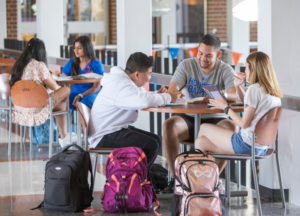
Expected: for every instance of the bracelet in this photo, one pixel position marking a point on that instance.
(80, 95)
(227, 109)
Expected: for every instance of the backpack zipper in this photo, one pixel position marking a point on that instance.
(193, 160)
(202, 195)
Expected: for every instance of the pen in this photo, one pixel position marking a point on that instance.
(182, 87)
(177, 87)
(242, 79)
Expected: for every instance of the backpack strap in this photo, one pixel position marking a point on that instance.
(91, 211)
(182, 185)
(92, 179)
(40, 206)
(156, 207)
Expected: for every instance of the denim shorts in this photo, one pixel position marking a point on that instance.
(240, 147)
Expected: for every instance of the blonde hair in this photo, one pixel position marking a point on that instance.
(262, 72)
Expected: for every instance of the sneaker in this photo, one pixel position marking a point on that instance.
(64, 142)
(170, 187)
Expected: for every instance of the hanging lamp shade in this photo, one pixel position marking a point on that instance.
(159, 8)
(246, 10)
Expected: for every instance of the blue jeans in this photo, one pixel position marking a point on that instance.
(240, 147)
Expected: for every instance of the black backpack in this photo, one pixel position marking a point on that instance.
(66, 181)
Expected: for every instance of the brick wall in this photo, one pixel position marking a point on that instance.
(113, 21)
(11, 19)
(253, 31)
(217, 18)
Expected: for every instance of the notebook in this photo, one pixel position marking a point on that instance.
(213, 92)
(180, 102)
(196, 100)
(92, 75)
(62, 78)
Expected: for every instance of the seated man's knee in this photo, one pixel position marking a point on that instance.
(168, 125)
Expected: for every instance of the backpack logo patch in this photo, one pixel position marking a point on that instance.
(198, 173)
(124, 164)
(58, 168)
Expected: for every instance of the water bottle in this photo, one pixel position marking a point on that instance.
(221, 188)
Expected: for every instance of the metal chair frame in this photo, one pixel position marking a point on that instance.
(254, 158)
(52, 115)
(83, 113)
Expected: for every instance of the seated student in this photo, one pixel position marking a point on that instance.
(84, 62)
(198, 72)
(262, 95)
(32, 66)
(118, 104)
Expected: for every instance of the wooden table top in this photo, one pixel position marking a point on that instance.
(6, 64)
(191, 108)
(84, 80)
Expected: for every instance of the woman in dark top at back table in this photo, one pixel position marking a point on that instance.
(83, 62)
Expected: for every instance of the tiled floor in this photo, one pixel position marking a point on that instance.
(22, 183)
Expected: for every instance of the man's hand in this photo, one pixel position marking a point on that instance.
(205, 99)
(176, 95)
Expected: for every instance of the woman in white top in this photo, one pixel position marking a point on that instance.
(262, 95)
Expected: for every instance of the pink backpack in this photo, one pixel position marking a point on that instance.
(128, 187)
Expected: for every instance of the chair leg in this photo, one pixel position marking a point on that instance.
(95, 168)
(280, 180)
(25, 130)
(30, 137)
(256, 187)
(238, 174)
(227, 178)
(21, 136)
(9, 135)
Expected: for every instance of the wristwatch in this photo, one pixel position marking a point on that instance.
(80, 95)
(226, 109)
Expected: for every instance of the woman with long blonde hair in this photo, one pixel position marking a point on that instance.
(262, 95)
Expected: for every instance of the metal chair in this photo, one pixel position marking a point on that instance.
(29, 94)
(265, 134)
(84, 113)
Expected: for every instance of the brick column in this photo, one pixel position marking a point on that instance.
(11, 19)
(112, 22)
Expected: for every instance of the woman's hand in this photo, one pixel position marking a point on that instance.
(162, 90)
(56, 73)
(219, 103)
(77, 99)
(237, 81)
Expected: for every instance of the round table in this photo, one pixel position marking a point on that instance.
(84, 80)
(196, 109)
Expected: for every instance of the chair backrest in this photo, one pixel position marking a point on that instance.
(266, 128)
(4, 87)
(84, 114)
(29, 94)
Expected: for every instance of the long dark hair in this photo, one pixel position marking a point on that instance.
(88, 52)
(35, 49)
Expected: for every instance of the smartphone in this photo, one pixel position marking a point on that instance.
(208, 107)
(237, 104)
